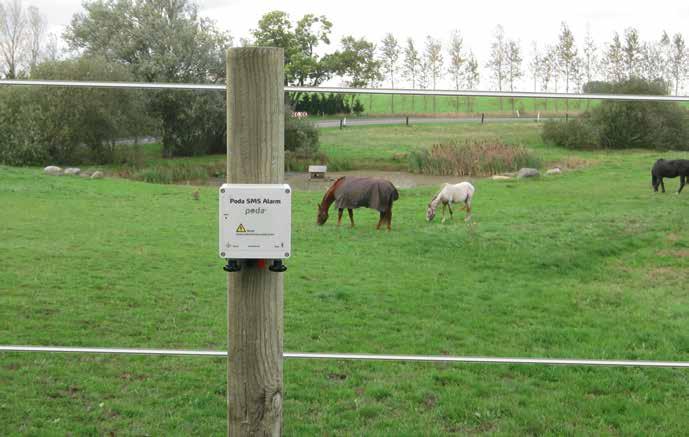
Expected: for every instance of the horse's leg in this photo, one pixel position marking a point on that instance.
(339, 216)
(450, 209)
(654, 182)
(380, 221)
(443, 220)
(468, 208)
(681, 183)
(662, 184)
(351, 215)
(388, 214)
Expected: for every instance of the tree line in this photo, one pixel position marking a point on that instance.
(559, 65)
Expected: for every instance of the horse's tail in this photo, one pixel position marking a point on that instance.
(470, 195)
(394, 195)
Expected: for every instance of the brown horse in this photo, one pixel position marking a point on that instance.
(353, 192)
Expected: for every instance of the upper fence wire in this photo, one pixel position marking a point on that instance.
(384, 91)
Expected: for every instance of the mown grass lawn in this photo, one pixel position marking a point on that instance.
(589, 264)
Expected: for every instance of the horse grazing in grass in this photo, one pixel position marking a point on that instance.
(461, 192)
(669, 169)
(350, 192)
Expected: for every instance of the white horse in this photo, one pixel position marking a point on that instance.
(461, 192)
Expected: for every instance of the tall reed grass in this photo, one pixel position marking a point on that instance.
(176, 172)
(471, 158)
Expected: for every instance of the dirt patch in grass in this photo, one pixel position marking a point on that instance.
(673, 237)
(681, 253)
(665, 274)
(572, 163)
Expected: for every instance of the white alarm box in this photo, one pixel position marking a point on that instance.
(255, 221)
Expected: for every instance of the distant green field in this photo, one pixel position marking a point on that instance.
(386, 147)
(589, 264)
(375, 105)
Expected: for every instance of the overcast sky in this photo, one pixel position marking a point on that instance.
(523, 20)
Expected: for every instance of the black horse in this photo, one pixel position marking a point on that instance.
(669, 169)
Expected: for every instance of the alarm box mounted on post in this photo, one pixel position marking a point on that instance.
(255, 223)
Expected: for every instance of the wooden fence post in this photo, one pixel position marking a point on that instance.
(255, 154)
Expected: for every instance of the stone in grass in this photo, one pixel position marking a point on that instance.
(85, 174)
(498, 177)
(527, 173)
(72, 171)
(97, 175)
(52, 170)
(555, 170)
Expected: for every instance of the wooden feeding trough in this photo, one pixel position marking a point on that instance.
(317, 171)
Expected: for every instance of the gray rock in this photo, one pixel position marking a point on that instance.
(97, 175)
(52, 170)
(72, 171)
(527, 173)
(555, 170)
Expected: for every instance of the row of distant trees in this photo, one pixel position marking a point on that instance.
(561, 65)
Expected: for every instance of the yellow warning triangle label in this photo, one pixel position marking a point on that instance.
(241, 228)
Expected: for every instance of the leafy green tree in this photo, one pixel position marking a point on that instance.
(471, 77)
(390, 54)
(513, 60)
(614, 60)
(69, 125)
(631, 52)
(678, 61)
(567, 54)
(457, 61)
(357, 63)
(164, 41)
(433, 57)
(303, 66)
(410, 66)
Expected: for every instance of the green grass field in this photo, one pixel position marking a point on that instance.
(376, 105)
(588, 264)
(386, 147)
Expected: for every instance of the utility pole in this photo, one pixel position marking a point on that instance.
(255, 155)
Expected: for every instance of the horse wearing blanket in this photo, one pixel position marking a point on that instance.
(461, 192)
(354, 192)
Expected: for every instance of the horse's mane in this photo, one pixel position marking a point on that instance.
(330, 192)
(334, 186)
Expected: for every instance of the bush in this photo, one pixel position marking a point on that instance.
(573, 134)
(326, 104)
(301, 143)
(622, 125)
(471, 158)
(191, 123)
(43, 125)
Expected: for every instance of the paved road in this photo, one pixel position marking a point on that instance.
(420, 120)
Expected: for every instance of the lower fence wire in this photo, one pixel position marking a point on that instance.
(356, 357)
